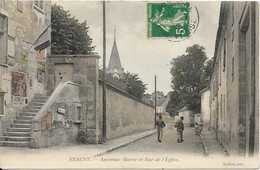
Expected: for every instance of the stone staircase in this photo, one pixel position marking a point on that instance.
(18, 134)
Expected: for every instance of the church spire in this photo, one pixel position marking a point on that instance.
(114, 32)
(114, 66)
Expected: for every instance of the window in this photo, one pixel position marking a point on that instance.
(225, 53)
(78, 113)
(233, 13)
(232, 71)
(19, 6)
(40, 76)
(1, 102)
(3, 39)
(39, 3)
(219, 72)
(2, 24)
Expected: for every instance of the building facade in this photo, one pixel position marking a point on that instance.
(22, 69)
(234, 86)
(205, 109)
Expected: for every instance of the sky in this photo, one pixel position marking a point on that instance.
(138, 54)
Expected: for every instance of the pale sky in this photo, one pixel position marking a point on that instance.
(138, 54)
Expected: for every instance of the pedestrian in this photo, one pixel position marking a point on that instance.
(160, 125)
(200, 127)
(180, 128)
(196, 128)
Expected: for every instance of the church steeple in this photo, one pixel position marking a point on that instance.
(115, 33)
(114, 66)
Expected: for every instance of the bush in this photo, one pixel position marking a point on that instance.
(82, 136)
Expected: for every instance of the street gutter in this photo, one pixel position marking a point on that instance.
(125, 144)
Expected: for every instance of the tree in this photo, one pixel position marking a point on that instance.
(174, 105)
(190, 74)
(134, 85)
(69, 36)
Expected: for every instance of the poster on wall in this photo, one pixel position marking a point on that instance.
(18, 84)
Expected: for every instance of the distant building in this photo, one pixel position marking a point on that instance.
(234, 86)
(159, 95)
(114, 67)
(205, 109)
(188, 116)
(161, 102)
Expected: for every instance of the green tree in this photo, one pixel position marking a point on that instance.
(190, 74)
(68, 36)
(134, 85)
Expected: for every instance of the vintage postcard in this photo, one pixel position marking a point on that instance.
(129, 84)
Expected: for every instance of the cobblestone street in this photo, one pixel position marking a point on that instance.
(191, 146)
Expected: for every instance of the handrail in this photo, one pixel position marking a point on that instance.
(51, 100)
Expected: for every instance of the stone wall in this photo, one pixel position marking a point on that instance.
(22, 69)
(83, 70)
(125, 113)
(58, 121)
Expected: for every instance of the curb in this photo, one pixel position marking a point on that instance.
(123, 144)
(206, 153)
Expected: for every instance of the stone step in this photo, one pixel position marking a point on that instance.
(22, 121)
(17, 134)
(33, 107)
(40, 100)
(16, 125)
(15, 138)
(16, 143)
(31, 110)
(40, 96)
(18, 129)
(24, 117)
(37, 103)
(27, 114)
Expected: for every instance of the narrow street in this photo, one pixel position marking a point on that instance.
(191, 146)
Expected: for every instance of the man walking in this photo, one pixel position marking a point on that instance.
(180, 128)
(160, 125)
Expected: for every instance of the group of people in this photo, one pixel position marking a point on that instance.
(179, 126)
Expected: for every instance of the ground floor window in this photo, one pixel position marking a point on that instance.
(1, 102)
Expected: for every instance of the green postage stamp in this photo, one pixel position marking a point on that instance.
(171, 20)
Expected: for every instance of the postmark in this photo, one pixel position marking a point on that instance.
(175, 21)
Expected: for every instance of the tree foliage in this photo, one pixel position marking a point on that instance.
(190, 74)
(134, 85)
(69, 36)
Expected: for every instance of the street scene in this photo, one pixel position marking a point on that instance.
(129, 84)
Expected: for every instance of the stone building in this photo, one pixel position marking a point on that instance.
(22, 69)
(205, 109)
(234, 85)
(161, 102)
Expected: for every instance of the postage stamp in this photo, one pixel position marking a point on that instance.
(171, 20)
